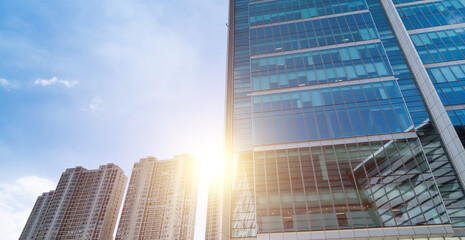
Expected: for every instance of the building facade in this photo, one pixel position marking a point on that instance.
(212, 227)
(161, 200)
(344, 119)
(37, 214)
(85, 205)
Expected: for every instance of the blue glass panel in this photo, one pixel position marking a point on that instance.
(312, 129)
(345, 123)
(379, 120)
(258, 131)
(266, 103)
(358, 93)
(286, 101)
(391, 119)
(267, 40)
(306, 98)
(348, 95)
(326, 96)
(403, 116)
(368, 121)
(289, 128)
(316, 97)
(333, 124)
(322, 125)
(268, 130)
(257, 103)
(300, 127)
(356, 122)
(275, 102)
(278, 127)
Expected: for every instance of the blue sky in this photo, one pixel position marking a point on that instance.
(92, 82)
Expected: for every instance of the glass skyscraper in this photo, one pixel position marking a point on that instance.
(344, 119)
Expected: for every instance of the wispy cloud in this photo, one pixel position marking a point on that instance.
(54, 81)
(16, 201)
(4, 82)
(95, 103)
(8, 84)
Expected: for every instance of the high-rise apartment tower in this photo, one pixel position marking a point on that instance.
(85, 205)
(37, 214)
(161, 200)
(340, 118)
(212, 228)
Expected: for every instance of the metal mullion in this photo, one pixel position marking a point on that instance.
(342, 184)
(395, 181)
(356, 186)
(417, 141)
(303, 183)
(370, 189)
(317, 192)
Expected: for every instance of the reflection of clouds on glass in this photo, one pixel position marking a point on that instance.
(454, 19)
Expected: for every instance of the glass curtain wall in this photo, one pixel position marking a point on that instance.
(329, 130)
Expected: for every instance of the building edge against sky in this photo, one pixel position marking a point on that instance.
(212, 226)
(85, 204)
(335, 128)
(161, 200)
(160, 203)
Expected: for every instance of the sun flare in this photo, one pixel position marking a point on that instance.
(210, 162)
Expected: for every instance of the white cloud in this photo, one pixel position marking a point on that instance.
(95, 103)
(55, 80)
(17, 199)
(4, 82)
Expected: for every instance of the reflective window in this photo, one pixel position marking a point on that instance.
(312, 33)
(354, 110)
(440, 46)
(425, 15)
(449, 82)
(272, 11)
(377, 184)
(330, 68)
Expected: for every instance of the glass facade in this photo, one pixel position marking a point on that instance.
(376, 184)
(326, 113)
(329, 129)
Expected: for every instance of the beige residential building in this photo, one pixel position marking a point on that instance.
(85, 205)
(212, 228)
(37, 214)
(161, 200)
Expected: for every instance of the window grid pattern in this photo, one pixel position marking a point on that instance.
(242, 200)
(457, 118)
(243, 218)
(288, 10)
(433, 14)
(317, 67)
(404, 1)
(445, 175)
(349, 111)
(449, 82)
(294, 208)
(440, 46)
(377, 184)
(313, 33)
